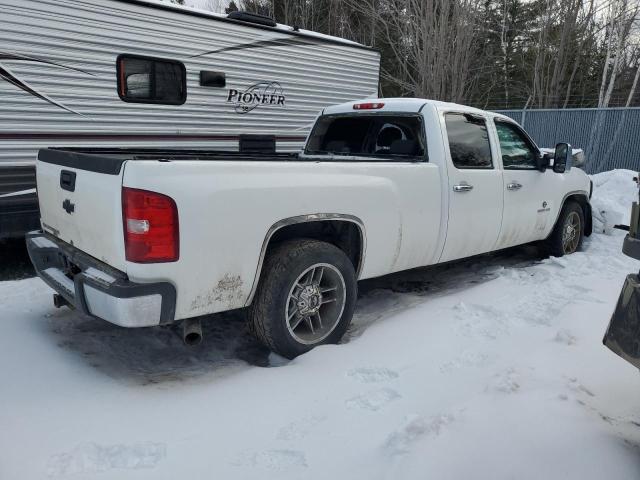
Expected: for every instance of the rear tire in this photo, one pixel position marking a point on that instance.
(568, 233)
(305, 298)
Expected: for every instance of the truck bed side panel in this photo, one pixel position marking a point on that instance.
(227, 208)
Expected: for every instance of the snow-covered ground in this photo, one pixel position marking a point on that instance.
(492, 368)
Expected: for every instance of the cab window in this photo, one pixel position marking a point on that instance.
(518, 152)
(387, 137)
(468, 141)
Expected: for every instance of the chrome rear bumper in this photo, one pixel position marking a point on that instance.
(98, 290)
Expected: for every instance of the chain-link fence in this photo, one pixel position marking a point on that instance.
(610, 137)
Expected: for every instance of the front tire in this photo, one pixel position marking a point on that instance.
(305, 298)
(568, 233)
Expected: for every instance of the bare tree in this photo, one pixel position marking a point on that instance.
(216, 6)
(503, 48)
(431, 42)
(584, 34)
(632, 91)
(621, 19)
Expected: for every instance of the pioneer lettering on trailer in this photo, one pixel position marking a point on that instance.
(260, 94)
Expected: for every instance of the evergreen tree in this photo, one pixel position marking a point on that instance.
(231, 8)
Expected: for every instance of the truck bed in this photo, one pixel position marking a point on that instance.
(80, 189)
(109, 160)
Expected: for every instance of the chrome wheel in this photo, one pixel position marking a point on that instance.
(315, 303)
(571, 231)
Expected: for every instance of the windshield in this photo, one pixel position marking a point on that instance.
(396, 137)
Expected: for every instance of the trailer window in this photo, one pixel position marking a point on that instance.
(388, 137)
(151, 80)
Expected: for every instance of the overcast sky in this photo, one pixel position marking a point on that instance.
(213, 5)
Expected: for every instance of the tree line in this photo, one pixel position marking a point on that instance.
(493, 54)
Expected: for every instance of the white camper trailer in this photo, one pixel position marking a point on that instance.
(142, 73)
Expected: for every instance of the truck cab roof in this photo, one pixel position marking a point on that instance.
(408, 105)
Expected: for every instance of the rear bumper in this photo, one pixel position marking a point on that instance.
(98, 290)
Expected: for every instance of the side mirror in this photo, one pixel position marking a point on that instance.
(562, 158)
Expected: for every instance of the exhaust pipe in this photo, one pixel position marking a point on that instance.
(192, 331)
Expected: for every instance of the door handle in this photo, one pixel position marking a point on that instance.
(463, 187)
(514, 186)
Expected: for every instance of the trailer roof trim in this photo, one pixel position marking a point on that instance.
(226, 18)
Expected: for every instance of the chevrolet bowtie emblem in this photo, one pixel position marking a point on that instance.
(68, 206)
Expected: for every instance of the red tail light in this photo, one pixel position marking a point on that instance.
(368, 106)
(150, 222)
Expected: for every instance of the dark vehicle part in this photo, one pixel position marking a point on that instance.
(59, 301)
(250, 17)
(623, 334)
(562, 158)
(192, 331)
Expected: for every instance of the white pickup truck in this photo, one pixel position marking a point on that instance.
(147, 237)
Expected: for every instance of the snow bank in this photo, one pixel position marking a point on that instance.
(613, 193)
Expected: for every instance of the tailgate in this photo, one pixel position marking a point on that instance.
(80, 202)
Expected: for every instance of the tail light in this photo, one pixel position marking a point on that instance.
(150, 222)
(368, 106)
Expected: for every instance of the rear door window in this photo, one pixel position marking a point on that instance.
(387, 137)
(468, 140)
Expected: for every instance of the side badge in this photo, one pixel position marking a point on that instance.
(68, 206)
(545, 207)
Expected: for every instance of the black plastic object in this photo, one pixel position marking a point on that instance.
(212, 79)
(623, 334)
(257, 143)
(631, 247)
(68, 180)
(252, 18)
(59, 301)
